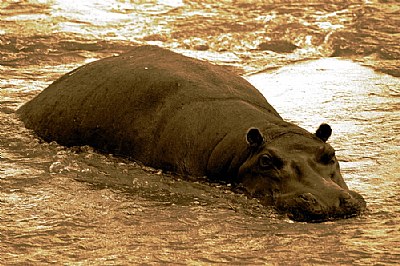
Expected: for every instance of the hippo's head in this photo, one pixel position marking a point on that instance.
(300, 175)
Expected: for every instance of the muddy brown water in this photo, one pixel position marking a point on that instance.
(78, 207)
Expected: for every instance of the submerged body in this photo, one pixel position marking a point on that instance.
(190, 117)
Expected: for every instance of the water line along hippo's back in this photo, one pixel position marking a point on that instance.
(193, 118)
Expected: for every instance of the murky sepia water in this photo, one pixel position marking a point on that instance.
(75, 206)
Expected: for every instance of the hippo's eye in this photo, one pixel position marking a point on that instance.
(269, 161)
(328, 158)
(265, 161)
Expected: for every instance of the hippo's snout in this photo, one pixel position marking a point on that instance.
(307, 207)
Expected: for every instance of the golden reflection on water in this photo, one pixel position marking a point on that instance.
(115, 20)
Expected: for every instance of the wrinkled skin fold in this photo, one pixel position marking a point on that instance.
(193, 118)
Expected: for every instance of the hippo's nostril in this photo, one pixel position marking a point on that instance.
(346, 200)
(308, 197)
(358, 199)
(307, 201)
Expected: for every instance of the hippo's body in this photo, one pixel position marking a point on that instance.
(190, 117)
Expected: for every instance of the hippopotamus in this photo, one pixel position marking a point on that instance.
(193, 118)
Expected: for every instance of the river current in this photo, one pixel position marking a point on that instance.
(325, 61)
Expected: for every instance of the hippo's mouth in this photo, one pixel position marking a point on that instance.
(307, 208)
(298, 215)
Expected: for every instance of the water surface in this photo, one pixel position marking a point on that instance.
(74, 206)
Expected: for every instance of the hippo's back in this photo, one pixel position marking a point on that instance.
(120, 104)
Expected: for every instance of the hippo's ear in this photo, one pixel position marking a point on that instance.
(324, 132)
(254, 137)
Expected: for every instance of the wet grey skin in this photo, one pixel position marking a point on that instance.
(193, 118)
